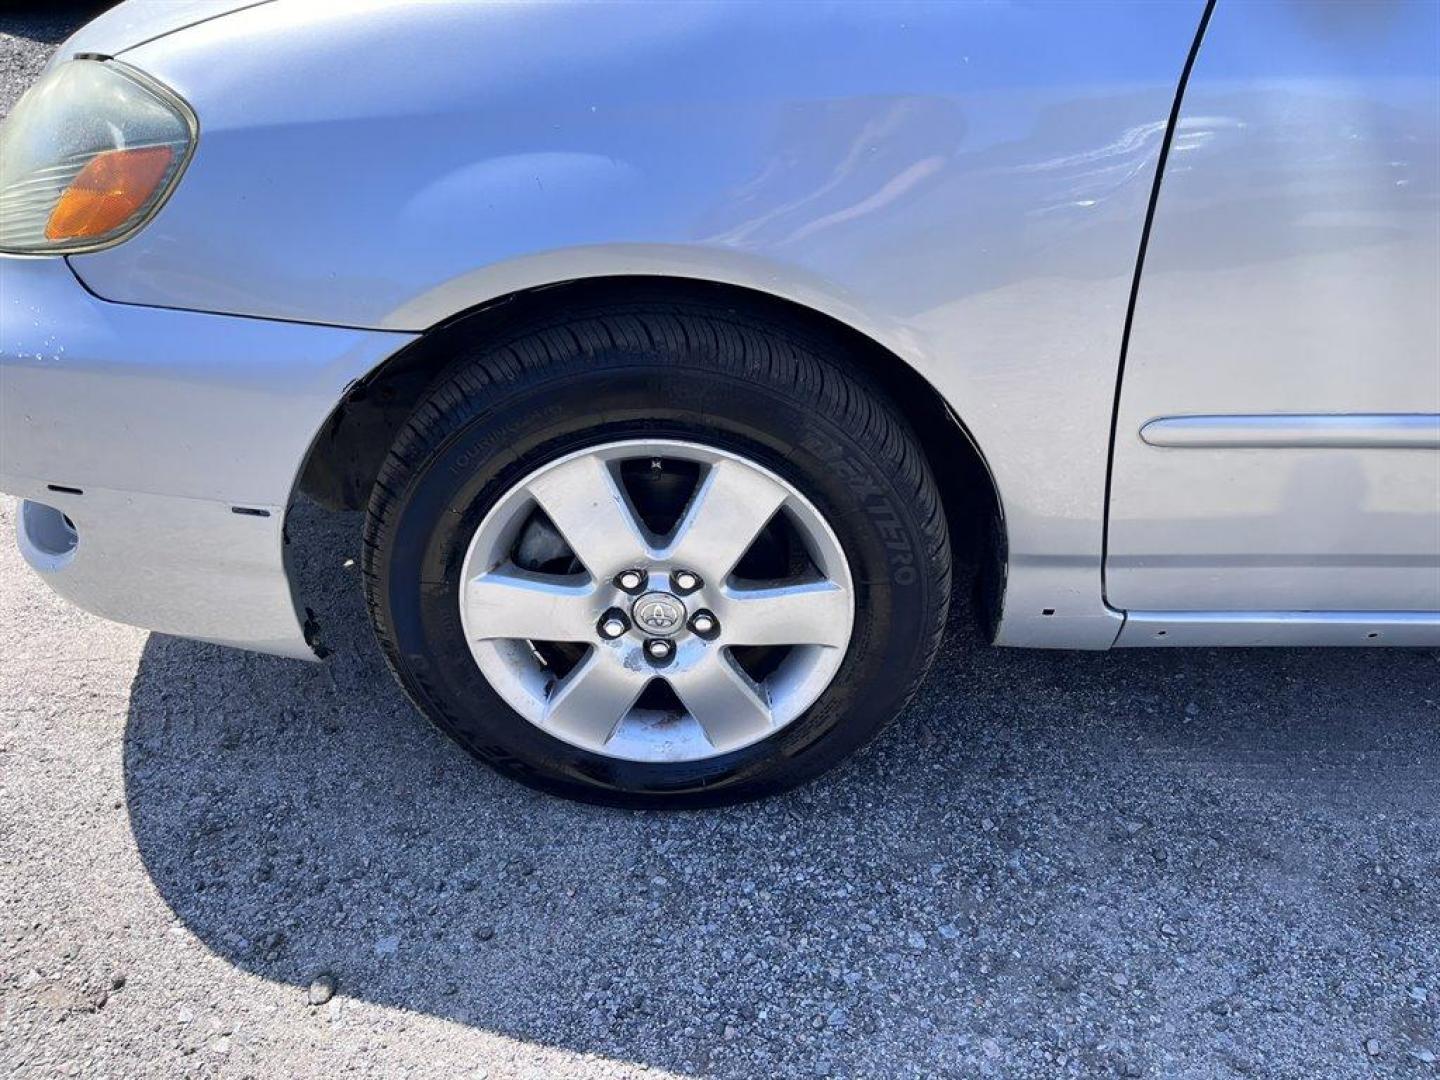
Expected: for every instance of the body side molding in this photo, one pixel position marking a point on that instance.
(1409, 431)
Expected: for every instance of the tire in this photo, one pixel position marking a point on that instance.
(778, 398)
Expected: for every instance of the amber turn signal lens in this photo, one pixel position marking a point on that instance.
(108, 191)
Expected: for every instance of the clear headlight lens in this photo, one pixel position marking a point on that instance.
(87, 156)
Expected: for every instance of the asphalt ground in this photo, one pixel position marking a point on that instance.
(1165, 864)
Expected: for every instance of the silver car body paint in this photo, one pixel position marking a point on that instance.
(125, 26)
(1288, 304)
(156, 427)
(965, 184)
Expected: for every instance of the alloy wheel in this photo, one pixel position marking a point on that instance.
(656, 600)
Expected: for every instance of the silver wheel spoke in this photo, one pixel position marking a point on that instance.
(724, 702)
(730, 506)
(593, 515)
(816, 613)
(515, 604)
(588, 704)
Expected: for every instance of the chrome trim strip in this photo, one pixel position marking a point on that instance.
(1255, 628)
(1394, 431)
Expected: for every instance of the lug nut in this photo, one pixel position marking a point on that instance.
(613, 623)
(704, 623)
(659, 649)
(685, 581)
(630, 580)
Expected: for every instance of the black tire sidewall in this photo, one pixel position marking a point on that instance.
(521, 428)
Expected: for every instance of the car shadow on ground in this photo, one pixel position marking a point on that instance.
(1061, 861)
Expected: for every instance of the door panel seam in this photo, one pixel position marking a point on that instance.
(1164, 156)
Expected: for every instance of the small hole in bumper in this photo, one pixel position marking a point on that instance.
(48, 537)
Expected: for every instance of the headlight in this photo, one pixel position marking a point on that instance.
(87, 156)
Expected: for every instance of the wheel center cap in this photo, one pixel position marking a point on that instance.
(658, 613)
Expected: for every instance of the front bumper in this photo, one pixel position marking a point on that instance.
(171, 441)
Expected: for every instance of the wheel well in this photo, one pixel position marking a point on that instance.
(345, 458)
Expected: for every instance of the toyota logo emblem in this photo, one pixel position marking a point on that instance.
(658, 613)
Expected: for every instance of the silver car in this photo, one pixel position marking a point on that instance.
(690, 361)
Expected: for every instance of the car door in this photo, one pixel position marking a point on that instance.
(1277, 438)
